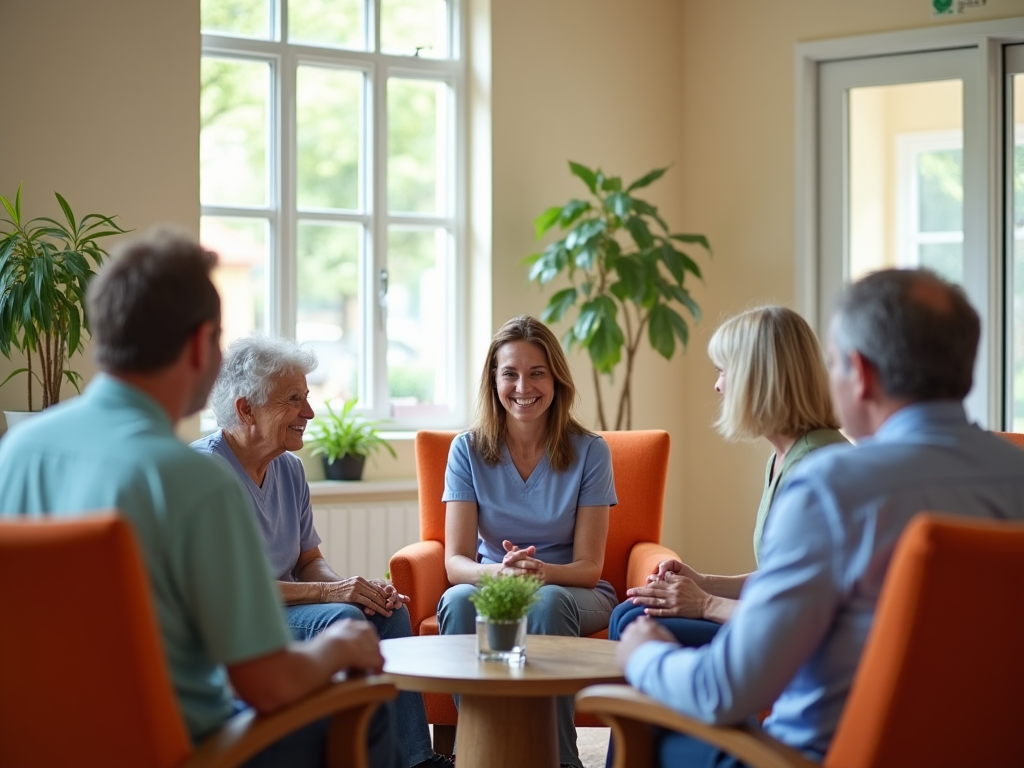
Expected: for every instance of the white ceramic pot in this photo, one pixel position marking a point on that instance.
(14, 418)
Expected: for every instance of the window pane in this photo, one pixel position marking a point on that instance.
(329, 315)
(329, 112)
(234, 132)
(945, 258)
(415, 28)
(417, 135)
(240, 275)
(417, 280)
(331, 23)
(1017, 207)
(941, 190)
(906, 176)
(240, 18)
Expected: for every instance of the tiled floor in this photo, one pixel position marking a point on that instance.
(593, 746)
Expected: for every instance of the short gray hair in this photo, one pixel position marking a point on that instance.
(251, 364)
(918, 331)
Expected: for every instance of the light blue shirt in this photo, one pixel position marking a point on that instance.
(795, 639)
(281, 505)
(539, 511)
(215, 599)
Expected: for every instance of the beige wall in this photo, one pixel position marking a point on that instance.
(100, 104)
(625, 84)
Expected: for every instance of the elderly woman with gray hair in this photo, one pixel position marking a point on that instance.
(260, 402)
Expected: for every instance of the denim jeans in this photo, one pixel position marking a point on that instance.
(691, 633)
(307, 621)
(566, 611)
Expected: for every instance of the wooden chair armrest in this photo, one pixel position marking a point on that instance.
(643, 560)
(417, 570)
(631, 715)
(351, 702)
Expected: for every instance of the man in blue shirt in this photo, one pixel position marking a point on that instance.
(155, 318)
(901, 355)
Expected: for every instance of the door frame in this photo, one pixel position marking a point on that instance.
(987, 39)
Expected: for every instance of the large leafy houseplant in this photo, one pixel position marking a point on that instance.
(341, 434)
(44, 272)
(627, 276)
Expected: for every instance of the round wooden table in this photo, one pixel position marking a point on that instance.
(506, 713)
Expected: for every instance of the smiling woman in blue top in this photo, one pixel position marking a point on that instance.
(774, 384)
(528, 491)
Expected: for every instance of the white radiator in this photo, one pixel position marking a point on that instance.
(359, 538)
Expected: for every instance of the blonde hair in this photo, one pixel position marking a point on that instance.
(489, 430)
(776, 381)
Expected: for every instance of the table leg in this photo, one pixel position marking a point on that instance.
(507, 732)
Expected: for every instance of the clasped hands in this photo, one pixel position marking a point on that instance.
(373, 595)
(673, 589)
(521, 562)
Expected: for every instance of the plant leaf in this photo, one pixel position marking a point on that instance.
(588, 176)
(699, 239)
(546, 220)
(619, 203)
(559, 304)
(660, 332)
(640, 232)
(647, 179)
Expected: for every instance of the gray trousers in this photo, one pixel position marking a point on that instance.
(565, 611)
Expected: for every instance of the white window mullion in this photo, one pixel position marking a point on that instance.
(283, 301)
(376, 325)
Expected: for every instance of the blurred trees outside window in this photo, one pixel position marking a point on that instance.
(328, 185)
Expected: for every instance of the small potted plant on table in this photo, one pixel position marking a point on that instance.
(502, 603)
(344, 440)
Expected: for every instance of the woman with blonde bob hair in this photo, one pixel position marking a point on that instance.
(774, 384)
(528, 491)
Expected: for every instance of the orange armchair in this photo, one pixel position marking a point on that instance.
(1017, 438)
(923, 695)
(84, 677)
(640, 464)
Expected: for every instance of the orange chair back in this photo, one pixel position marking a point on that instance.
(640, 464)
(924, 677)
(1017, 438)
(83, 677)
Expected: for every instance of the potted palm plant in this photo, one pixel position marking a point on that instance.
(45, 268)
(345, 439)
(502, 603)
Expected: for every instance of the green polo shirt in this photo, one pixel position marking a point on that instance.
(216, 601)
(816, 438)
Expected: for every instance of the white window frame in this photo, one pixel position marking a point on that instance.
(283, 215)
(909, 148)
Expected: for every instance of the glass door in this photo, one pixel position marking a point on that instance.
(902, 171)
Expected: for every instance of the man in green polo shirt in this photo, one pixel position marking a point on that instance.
(155, 317)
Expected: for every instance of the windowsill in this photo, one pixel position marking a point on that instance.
(364, 490)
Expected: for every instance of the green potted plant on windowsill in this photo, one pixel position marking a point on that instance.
(345, 439)
(44, 272)
(502, 603)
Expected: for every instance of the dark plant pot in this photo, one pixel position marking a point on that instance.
(347, 467)
(502, 635)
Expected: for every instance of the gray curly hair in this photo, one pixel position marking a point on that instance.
(251, 364)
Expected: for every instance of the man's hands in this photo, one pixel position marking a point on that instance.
(521, 562)
(375, 596)
(359, 645)
(675, 595)
(643, 630)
